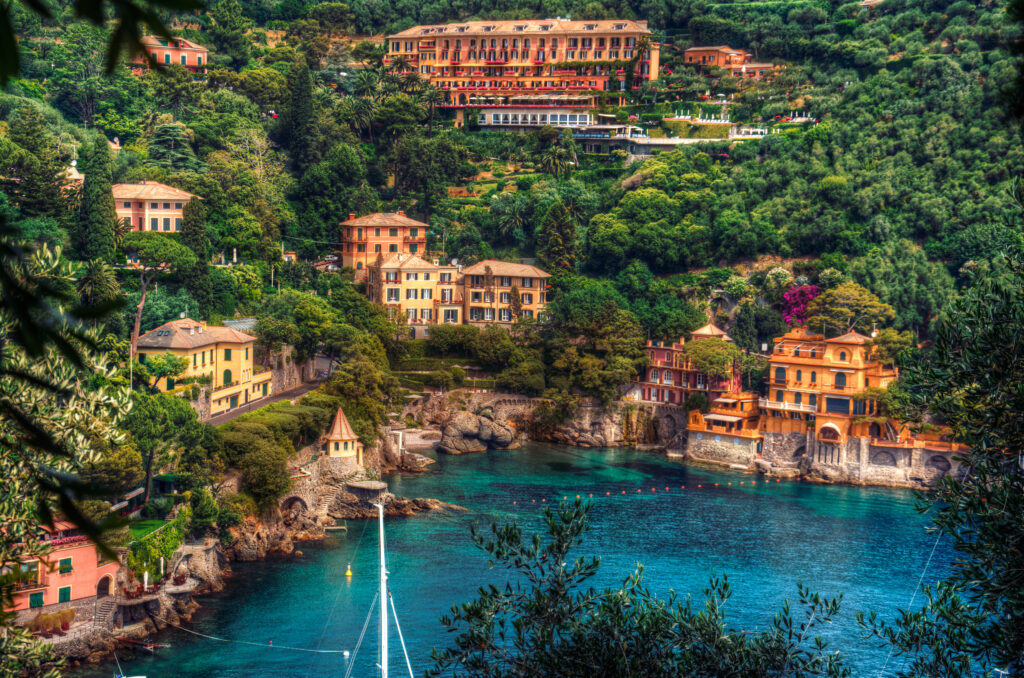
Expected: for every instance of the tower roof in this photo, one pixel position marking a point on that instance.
(341, 429)
(851, 337)
(710, 330)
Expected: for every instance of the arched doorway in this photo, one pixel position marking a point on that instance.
(828, 432)
(103, 586)
(875, 431)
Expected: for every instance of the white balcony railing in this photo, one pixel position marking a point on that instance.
(792, 407)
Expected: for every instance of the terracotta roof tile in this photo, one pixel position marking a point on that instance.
(505, 268)
(341, 429)
(531, 26)
(710, 330)
(187, 333)
(851, 337)
(402, 261)
(383, 219)
(150, 190)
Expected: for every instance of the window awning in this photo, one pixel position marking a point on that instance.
(724, 400)
(722, 417)
(134, 493)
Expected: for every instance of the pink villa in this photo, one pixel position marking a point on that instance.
(671, 378)
(74, 574)
(151, 206)
(174, 51)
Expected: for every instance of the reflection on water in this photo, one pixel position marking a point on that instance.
(866, 543)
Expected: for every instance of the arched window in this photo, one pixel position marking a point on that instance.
(842, 356)
(840, 380)
(797, 397)
(796, 352)
(812, 399)
(780, 374)
(814, 377)
(359, 265)
(227, 376)
(654, 376)
(778, 396)
(799, 376)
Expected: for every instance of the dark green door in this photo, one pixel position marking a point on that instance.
(234, 402)
(264, 390)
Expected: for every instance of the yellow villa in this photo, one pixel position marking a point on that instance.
(341, 441)
(222, 353)
(422, 292)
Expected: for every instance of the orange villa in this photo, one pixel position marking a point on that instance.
(737, 62)
(73, 574)
(731, 427)
(527, 72)
(382, 233)
(192, 56)
(151, 206)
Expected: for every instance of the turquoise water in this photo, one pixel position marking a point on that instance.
(866, 543)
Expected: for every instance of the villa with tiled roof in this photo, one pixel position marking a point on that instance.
(221, 354)
(383, 234)
(151, 206)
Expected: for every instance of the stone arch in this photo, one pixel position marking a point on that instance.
(666, 426)
(939, 463)
(292, 503)
(883, 458)
(799, 452)
(105, 586)
(829, 432)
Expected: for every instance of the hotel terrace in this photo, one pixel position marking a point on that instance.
(527, 72)
(222, 354)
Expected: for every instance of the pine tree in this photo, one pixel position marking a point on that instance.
(33, 176)
(556, 242)
(300, 116)
(193, 236)
(98, 215)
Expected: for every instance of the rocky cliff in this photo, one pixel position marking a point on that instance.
(468, 432)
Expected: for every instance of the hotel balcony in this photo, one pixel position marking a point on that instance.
(789, 407)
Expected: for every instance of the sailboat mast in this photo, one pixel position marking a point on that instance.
(383, 599)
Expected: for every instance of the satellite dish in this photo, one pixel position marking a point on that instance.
(455, 262)
(74, 163)
(182, 315)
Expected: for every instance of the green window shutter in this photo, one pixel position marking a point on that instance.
(170, 383)
(64, 565)
(227, 354)
(35, 599)
(64, 594)
(246, 352)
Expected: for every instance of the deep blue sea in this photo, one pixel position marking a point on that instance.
(868, 544)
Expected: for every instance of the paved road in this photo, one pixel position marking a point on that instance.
(256, 404)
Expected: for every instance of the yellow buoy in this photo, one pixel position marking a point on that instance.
(348, 570)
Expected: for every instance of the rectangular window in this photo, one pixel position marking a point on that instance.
(837, 405)
(505, 315)
(410, 294)
(411, 276)
(376, 248)
(183, 59)
(199, 61)
(154, 224)
(451, 315)
(425, 314)
(413, 232)
(167, 59)
(527, 282)
(527, 299)
(126, 205)
(410, 313)
(227, 354)
(154, 205)
(446, 277)
(35, 599)
(177, 224)
(167, 205)
(392, 248)
(64, 566)
(392, 294)
(246, 352)
(426, 293)
(393, 232)
(505, 281)
(505, 298)
(64, 594)
(177, 205)
(475, 297)
(489, 315)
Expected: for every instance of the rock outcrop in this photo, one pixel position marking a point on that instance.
(468, 432)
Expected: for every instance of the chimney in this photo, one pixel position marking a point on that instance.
(351, 216)
(192, 329)
(234, 255)
(401, 213)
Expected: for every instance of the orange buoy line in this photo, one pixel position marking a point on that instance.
(654, 490)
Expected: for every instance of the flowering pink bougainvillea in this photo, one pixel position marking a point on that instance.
(795, 302)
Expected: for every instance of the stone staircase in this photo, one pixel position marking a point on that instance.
(105, 612)
(327, 498)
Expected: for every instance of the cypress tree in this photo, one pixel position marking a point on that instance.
(98, 214)
(193, 236)
(32, 178)
(300, 116)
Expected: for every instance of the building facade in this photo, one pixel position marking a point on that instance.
(489, 288)
(341, 442)
(729, 431)
(220, 354)
(73, 574)
(151, 206)
(737, 62)
(421, 292)
(672, 377)
(382, 234)
(180, 51)
(531, 67)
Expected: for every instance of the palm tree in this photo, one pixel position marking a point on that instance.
(367, 83)
(643, 46)
(555, 161)
(411, 83)
(97, 284)
(400, 64)
(432, 97)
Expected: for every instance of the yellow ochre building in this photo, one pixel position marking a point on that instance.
(222, 353)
